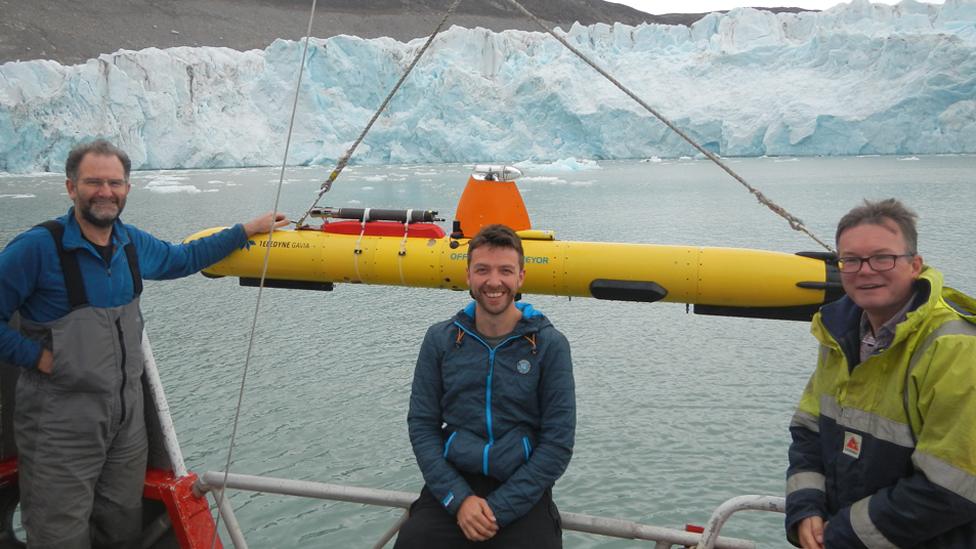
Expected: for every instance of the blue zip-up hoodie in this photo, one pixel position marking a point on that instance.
(31, 280)
(507, 412)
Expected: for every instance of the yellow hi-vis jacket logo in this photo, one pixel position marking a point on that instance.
(852, 444)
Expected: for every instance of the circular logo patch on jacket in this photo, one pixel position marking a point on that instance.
(523, 366)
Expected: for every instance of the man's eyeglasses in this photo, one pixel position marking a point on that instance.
(98, 183)
(879, 263)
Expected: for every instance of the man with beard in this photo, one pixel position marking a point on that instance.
(78, 423)
(884, 438)
(492, 415)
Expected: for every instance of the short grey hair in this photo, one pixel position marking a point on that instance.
(100, 147)
(875, 213)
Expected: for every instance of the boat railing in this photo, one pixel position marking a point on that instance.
(214, 481)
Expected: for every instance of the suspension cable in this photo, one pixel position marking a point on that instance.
(341, 164)
(264, 272)
(795, 223)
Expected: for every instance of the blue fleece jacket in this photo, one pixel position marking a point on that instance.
(507, 412)
(31, 280)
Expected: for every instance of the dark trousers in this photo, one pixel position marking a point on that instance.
(430, 526)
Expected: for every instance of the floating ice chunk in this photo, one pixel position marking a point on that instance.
(170, 183)
(570, 164)
(164, 180)
(170, 189)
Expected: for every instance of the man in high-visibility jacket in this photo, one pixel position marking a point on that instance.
(884, 438)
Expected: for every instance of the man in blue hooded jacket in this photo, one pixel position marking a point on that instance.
(492, 415)
(78, 421)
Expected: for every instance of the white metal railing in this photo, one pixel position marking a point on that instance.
(612, 527)
(213, 482)
(723, 512)
(167, 429)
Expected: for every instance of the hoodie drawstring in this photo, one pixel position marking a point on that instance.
(528, 337)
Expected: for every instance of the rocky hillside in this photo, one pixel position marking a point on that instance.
(70, 32)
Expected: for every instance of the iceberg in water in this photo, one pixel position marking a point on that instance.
(561, 165)
(857, 79)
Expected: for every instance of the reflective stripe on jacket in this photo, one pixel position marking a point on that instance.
(885, 450)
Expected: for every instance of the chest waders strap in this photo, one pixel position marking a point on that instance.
(73, 282)
(133, 259)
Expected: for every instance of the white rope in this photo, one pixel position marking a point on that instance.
(358, 251)
(795, 223)
(403, 246)
(264, 272)
(327, 184)
(406, 232)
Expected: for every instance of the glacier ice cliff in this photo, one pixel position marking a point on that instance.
(859, 78)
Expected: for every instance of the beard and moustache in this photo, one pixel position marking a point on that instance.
(106, 216)
(506, 299)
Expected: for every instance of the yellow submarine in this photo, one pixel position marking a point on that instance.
(408, 248)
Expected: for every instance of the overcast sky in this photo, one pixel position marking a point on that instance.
(698, 6)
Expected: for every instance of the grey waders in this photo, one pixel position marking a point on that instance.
(80, 431)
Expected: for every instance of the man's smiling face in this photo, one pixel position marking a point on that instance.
(881, 294)
(494, 277)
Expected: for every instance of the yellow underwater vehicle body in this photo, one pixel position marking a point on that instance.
(408, 248)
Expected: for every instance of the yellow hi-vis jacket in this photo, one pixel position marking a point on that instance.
(885, 449)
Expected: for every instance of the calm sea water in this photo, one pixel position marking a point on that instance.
(676, 412)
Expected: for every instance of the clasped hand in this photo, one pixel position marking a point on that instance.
(811, 533)
(476, 519)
